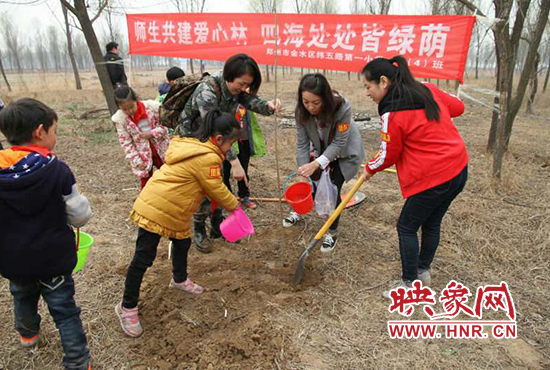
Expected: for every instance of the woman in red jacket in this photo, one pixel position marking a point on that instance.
(419, 137)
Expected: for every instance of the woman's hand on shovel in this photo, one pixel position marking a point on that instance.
(367, 176)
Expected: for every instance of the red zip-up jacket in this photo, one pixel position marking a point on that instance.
(426, 153)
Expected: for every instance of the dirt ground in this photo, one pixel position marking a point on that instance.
(251, 316)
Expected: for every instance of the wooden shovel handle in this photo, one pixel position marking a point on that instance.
(389, 170)
(268, 200)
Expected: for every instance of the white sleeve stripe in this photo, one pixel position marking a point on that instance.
(384, 122)
(380, 160)
(384, 129)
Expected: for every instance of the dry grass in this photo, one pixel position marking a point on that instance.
(336, 320)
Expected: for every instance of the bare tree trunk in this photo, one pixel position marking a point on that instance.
(501, 38)
(491, 141)
(477, 62)
(546, 78)
(191, 65)
(70, 48)
(11, 39)
(4, 73)
(533, 84)
(81, 13)
(267, 73)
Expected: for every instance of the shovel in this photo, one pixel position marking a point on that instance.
(319, 235)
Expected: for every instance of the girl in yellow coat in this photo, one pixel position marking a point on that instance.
(166, 205)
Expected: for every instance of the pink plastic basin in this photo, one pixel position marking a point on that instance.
(236, 226)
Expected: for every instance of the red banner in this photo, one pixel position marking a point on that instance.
(435, 46)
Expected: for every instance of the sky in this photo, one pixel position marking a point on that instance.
(46, 12)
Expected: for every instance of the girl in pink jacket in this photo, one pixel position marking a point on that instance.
(140, 133)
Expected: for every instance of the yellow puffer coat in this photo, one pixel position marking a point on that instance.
(192, 170)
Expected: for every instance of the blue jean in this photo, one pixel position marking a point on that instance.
(58, 293)
(426, 210)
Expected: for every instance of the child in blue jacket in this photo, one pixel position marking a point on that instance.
(38, 203)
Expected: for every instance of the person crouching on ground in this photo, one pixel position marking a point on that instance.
(166, 205)
(420, 138)
(324, 119)
(38, 201)
(140, 133)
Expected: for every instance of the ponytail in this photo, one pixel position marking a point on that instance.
(124, 93)
(218, 123)
(404, 84)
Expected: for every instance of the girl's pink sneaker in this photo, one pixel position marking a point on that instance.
(129, 320)
(187, 286)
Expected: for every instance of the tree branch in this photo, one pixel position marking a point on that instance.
(30, 2)
(472, 7)
(525, 39)
(99, 11)
(518, 24)
(75, 25)
(68, 6)
(530, 59)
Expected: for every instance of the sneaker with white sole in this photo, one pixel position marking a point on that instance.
(188, 286)
(329, 243)
(424, 276)
(291, 220)
(129, 320)
(397, 284)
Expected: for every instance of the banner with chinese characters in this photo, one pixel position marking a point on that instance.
(434, 46)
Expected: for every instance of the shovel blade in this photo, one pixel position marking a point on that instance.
(301, 266)
(302, 261)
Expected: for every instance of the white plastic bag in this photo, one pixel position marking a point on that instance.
(325, 196)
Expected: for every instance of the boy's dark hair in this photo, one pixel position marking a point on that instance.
(218, 123)
(317, 84)
(110, 46)
(404, 84)
(19, 119)
(124, 93)
(239, 65)
(174, 72)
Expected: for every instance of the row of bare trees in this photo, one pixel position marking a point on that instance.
(45, 50)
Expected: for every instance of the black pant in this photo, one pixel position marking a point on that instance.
(337, 179)
(244, 158)
(425, 210)
(146, 251)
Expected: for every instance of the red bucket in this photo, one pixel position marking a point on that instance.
(300, 197)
